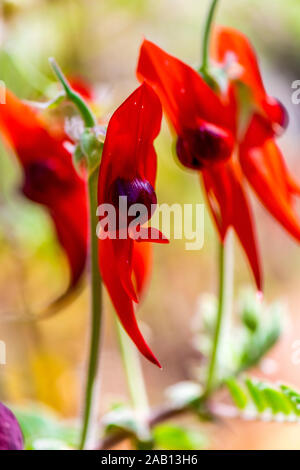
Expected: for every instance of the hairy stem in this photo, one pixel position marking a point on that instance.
(90, 410)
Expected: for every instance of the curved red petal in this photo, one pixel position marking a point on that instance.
(120, 299)
(124, 253)
(142, 265)
(72, 234)
(49, 177)
(128, 156)
(265, 169)
(128, 149)
(228, 41)
(150, 234)
(185, 96)
(230, 208)
(82, 87)
(26, 133)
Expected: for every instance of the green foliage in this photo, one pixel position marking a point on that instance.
(260, 400)
(162, 436)
(256, 330)
(43, 430)
(263, 326)
(171, 437)
(238, 395)
(124, 418)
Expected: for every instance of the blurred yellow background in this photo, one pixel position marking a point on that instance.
(99, 40)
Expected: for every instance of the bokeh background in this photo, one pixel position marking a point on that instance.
(98, 40)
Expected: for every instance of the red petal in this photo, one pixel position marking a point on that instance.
(120, 299)
(82, 87)
(185, 96)
(149, 234)
(228, 40)
(128, 150)
(266, 171)
(26, 133)
(71, 228)
(64, 195)
(123, 253)
(142, 264)
(230, 207)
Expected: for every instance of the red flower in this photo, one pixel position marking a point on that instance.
(49, 177)
(210, 138)
(128, 168)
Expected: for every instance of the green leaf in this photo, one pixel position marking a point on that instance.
(237, 393)
(121, 417)
(39, 424)
(294, 398)
(250, 311)
(125, 418)
(171, 437)
(276, 400)
(267, 399)
(256, 395)
(263, 330)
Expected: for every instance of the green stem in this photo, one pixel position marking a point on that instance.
(133, 371)
(96, 312)
(74, 97)
(90, 410)
(224, 307)
(206, 37)
(136, 387)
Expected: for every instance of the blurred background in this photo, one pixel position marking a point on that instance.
(99, 41)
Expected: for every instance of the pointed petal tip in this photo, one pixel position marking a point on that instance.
(155, 362)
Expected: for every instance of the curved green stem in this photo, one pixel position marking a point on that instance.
(206, 37)
(224, 307)
(74, 97)
(96, 311)
(90, 410)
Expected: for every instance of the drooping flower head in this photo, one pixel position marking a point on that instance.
(128, 170)
(49, 177)
(211, 139)
(11, 437)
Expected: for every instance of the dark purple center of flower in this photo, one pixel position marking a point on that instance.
(200, 147)
(38, 177)
(137, 191)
